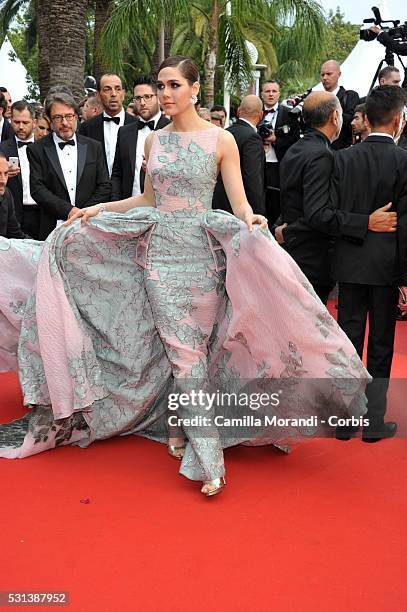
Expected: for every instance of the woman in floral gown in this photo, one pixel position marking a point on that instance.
(157, 294)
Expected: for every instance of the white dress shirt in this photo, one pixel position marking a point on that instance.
(141, 139)
(110, 130)
(68, 158)
(270, 153)
(25, 172)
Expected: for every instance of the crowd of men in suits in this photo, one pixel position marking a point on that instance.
(338, 208)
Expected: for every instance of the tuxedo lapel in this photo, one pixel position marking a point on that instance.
(162, 122)
(82, 148)
(100, 132)
(52, 155)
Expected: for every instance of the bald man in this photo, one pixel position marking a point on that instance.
(252, 157)
(330, 74)
(310, 222)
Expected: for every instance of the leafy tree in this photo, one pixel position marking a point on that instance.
(341, 37)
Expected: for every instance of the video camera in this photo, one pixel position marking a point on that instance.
(397, 32)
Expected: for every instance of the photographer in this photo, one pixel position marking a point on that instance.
(284, 133)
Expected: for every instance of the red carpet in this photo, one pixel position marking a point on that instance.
(321, 529)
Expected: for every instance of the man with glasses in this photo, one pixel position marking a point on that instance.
(105, 126)
(67, 170)
(128, 168)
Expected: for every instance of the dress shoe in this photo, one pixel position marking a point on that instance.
(388, 431)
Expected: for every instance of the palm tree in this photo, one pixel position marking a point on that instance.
(61, 44)
(138, 23)
(204, 30)
(103, 10)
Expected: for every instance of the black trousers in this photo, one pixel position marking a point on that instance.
(355, 302)
(323, 291)
(273, 207)
(30, 223)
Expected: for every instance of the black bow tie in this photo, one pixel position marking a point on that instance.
(62, 145)
(115, 120)
(20, 144)
(143, 124)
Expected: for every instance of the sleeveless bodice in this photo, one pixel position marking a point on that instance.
(182, 168)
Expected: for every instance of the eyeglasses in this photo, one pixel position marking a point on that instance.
(146, 98)
(60, 118)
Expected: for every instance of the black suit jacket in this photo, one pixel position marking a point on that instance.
(125, 160)
(252, 163)
(93, 128)
(313, 221)
(47, 183)
(349, 99)
(9, 226)
(7, 130)
(15, 184)
(285, 141)
(365, 178)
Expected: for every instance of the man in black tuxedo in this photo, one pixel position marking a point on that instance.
(310, 222)
(9, 226)
(330, 74)
(368, 272)
(105, 126)
(252, 158)
(5, 128)
(277, 144)
(23, 124)
(128, 168)
(67, 171)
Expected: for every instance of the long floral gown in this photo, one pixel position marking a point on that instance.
(103, 322)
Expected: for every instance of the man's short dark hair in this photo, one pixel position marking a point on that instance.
(4, 89)
(99, 81)
(361, 108)
(218, 107)
(60, 98)
(2, 156)
(22, 105)
(386, 72)
(146, 79)
(318, 115)
(383, 103)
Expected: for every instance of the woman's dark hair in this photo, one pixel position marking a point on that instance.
(185, 65)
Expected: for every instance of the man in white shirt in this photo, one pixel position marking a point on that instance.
(67, 171)
(105, 126)
(15, 148)
(128, 168)
(277, 144)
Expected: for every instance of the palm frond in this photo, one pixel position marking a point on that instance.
(9, 9)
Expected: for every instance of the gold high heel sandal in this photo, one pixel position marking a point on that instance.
(176, 452)
(218, 483)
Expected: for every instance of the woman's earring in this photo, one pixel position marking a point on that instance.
(194, 99)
